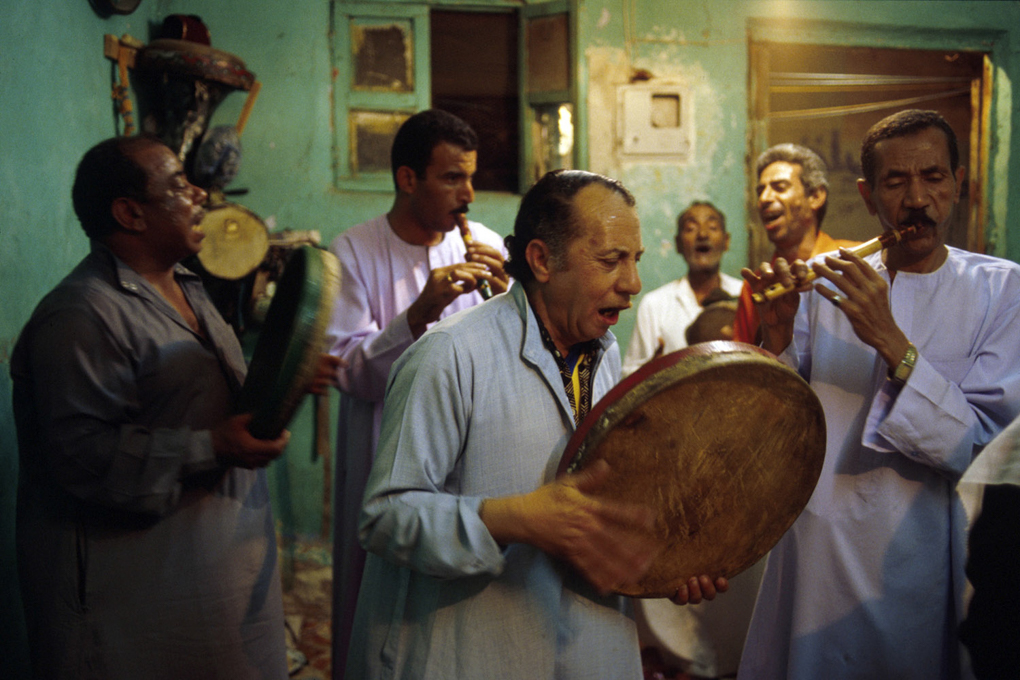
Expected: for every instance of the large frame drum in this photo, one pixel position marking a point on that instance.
(724, 441)
(287, 351)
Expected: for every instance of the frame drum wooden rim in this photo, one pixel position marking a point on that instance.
(726, 444)
(286, 354)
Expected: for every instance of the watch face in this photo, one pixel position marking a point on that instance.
(107, 7)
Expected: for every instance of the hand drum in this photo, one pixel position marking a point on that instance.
(724, 441)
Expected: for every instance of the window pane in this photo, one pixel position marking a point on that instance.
(548, 54)
(474, 76)
(372, 135)
(383, 55)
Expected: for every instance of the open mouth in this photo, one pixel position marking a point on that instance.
(769, 216)
(611, 314)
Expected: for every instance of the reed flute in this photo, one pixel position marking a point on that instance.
(484, 289)
(887, 239)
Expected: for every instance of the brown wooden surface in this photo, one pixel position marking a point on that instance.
(725, 443)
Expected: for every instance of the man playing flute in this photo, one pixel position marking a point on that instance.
(402, 271)
(913, 353)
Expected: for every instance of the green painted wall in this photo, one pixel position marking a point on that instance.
(56, 82)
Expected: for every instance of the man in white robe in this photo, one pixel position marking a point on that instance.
(913, 353)
(401, 272)
(665, 313)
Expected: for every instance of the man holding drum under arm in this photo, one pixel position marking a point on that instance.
(146, 544)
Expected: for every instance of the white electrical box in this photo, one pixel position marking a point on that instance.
(655, 122)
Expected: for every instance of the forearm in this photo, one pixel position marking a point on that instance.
(129, 468)
(938, 422)
(370, 353)
(434, 533)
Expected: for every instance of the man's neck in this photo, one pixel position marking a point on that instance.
(799, 251)
(704, 282)
(146, 264)
(538, 306)
(410, 230)
(896, 260)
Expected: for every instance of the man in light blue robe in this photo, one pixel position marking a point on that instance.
(913, 353)
(482, 565)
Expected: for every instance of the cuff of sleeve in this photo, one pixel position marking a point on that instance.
(789, 356)
(199, 455)
(489, 554)
(891, 425)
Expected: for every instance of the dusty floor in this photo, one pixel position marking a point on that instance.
(307, 597)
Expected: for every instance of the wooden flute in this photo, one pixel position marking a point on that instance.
(484, 289)
(887, 239)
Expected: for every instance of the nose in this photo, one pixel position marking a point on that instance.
(199, 194)
(629, 282)
(917, 196)
(467, 192)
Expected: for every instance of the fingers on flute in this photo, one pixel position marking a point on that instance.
(845, 274)
(750, 276)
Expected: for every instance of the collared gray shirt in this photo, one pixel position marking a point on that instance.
(139, 555)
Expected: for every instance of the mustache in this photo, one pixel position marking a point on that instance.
(463, 210)
(917, 218)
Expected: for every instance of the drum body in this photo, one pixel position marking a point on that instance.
(724, 441)
(286, 354)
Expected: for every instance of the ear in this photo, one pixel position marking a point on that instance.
(726, 241)
(961, 172)
(407, 180)
(817, 198)
(865, 190)
(539, 258)
(128, 213)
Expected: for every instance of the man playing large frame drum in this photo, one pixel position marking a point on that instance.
(481, 565)
(913, 352)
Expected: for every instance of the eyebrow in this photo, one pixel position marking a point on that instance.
(620, 252)
(931, 169)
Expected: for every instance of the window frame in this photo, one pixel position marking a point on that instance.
(345, 99)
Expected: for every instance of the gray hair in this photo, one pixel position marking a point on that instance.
(812, 169)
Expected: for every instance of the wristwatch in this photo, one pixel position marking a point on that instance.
(902, 371)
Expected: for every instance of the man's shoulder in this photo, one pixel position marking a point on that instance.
(981, 260)
(91, 280)
(731, 284)
(492, 316)
(486, 235)
(363, 235)
(1002, 274)
(667, 291)
(468, 336)
(826, 244)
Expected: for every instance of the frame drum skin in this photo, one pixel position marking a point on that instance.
(286, 354)
(726, 444)
(236, 241)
